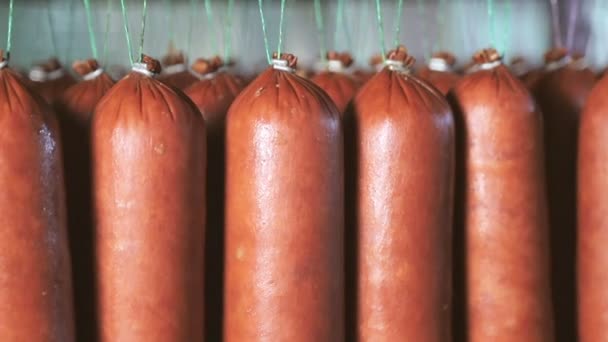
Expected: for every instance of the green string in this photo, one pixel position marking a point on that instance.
(491, 22)
(228, 33)
(143, 29)
(9, 33)
(280, 45)
(193, 10)
(126, 26)
(211, 26)
(320, 30)
(266, 46)
(380, 29)
(87, 8)
(52, 29)
(107, 32)
(398, 23)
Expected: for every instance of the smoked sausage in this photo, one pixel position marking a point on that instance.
(404, 134)
(175, 71)
(212, 95)
(561, 93)
(49, 80)
(438, 71)
(592, 256)
(502, 209)
(284, 211)
(340, 86)
(35, 285)
(530, 77)
(74, 108)
(148, 152)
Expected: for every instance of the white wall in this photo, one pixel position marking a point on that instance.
(465, 28)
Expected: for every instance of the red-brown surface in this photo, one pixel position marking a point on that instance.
(340, 86)
(561, 94)
(175, 72)
(213, 94)
(442, 78)
(284, 212)
(149, 203)
(592, 256)
(401, 163)
(74, 109)
(35, 285)
(53, 80)
(501, 228)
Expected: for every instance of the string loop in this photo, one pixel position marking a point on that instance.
(128, 36)
(265, 33)
(87, 8)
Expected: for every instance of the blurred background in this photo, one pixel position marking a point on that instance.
(45, 28)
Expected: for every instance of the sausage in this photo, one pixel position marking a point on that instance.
(148, 152)
(74, 108)
(502, 211)
(403, 131)
(35, 285)
(212, 95)
(592, 258)
(529, 77)
(439, 72)
(175, 72)
(49, 80)
(561, 94)
(284, 211)
(340, 86)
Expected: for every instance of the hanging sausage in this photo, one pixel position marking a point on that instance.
(148, 153)
(592, 258)
(402, 133)
(561, 94)
(213, 94)
(502, 213)
(284, 211)
(439, 72)
(49, 80)
(530, 77)
(340, 86)
(35, 283)
(74, 108)
(175, 70)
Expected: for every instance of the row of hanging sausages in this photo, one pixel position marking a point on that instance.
(398, 216)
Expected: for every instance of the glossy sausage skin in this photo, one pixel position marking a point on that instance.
(284, 213)
(502, 211)
(404, 132)
(592, 257)
(35, 283)
(561, 95)
(149, 187)
(212, 97)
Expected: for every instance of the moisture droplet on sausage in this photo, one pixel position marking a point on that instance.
(259, 92)
(240, 253)
(159, 148)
